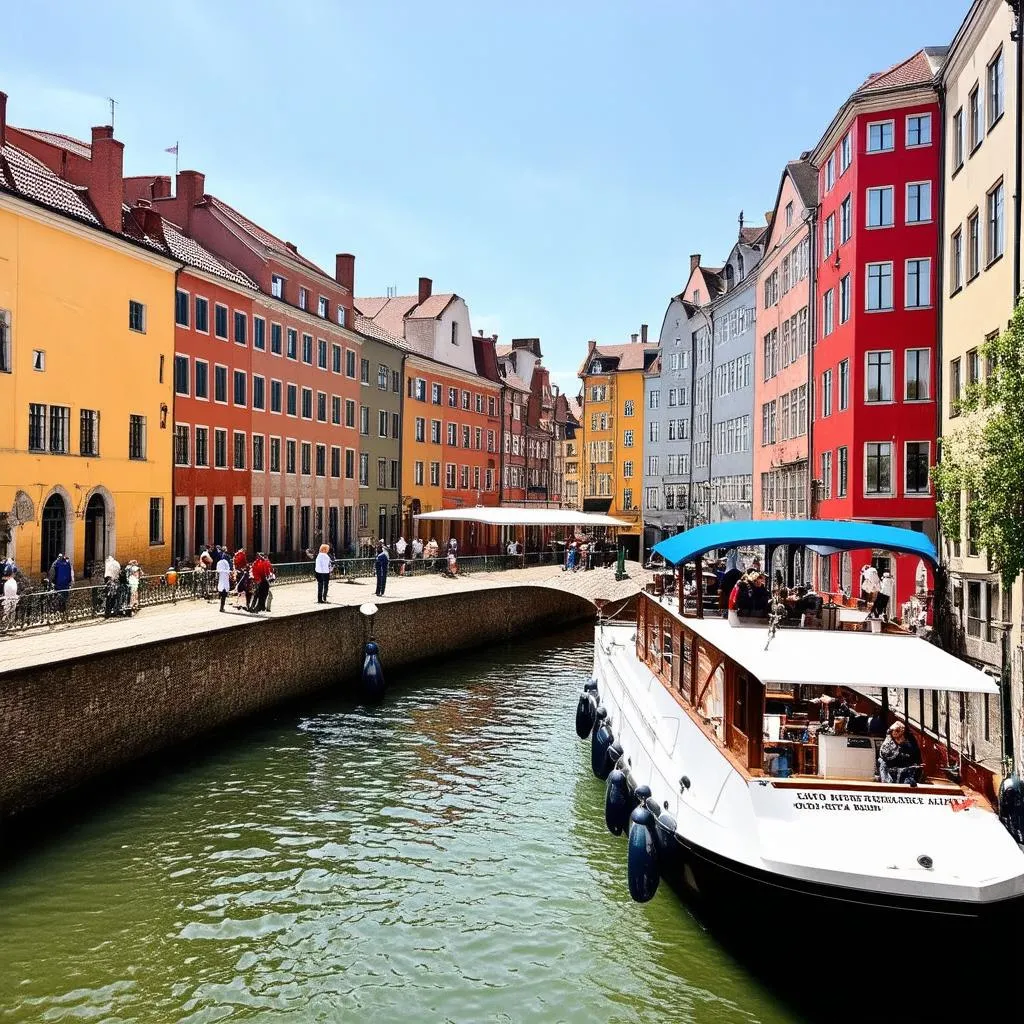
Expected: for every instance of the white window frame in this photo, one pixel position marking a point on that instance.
(926, 261)
(906, 202)
(906, 376)
(892, 375)
(893, 470)
(846, 153)
(867, 288)
(923, 116)
(867, 136)
(892, 207)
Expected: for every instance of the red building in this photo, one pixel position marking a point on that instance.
(514, 411)
(292, 367)
(874, 362)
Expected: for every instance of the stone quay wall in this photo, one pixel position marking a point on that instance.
(69, 722)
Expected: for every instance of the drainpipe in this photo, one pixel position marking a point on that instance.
(1015, 35)
(709, 317)
(940, 286)
(693, 392)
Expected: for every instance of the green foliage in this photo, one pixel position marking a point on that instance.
(984, 458)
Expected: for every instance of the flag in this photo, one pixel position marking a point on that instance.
(172, 150)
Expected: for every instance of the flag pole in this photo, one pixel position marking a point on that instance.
(176, 147)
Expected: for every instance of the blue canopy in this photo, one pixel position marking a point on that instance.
(837, 534)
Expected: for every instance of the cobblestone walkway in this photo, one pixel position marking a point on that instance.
(162, 622)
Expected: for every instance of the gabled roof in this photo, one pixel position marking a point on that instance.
(805, 180)
(391, 312)
(76, 146)
(918, 69)
(264, 237)
(575, 409)
(433, 307)
(364, 325)
(191, 253)
(630, 357)
(25, 176)
(753, 236)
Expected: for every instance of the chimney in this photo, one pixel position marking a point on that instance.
(425, 285)
(345, 271)
(191, 186)
(633, 338)
(643, 334)
(160, 187)
(694, 261)
(153, 224)
(106, 177)
(3, 119)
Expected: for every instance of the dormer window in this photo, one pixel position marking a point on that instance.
(303, 298)
(277, 286)
(322, 306)
(455, 332)
(596, 366)
(730, 275)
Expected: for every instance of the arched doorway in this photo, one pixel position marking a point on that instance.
(54, 529)
(95, 535)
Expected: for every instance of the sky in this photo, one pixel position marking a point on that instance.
(555, 163)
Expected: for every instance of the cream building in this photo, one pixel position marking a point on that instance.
(979, 83)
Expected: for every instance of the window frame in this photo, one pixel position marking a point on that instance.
(867, 374)
(891, 122)
(927, 492)
(892, 469)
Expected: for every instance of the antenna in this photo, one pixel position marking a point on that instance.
(113, 103)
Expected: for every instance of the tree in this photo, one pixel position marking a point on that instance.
(984, 458)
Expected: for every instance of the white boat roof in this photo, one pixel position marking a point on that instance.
(867, 662)
(504, 515)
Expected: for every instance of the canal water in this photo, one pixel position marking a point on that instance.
(442, 857)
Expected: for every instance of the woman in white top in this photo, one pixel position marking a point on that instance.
(322, 569)
(223, 578)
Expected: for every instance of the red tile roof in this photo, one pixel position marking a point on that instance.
(364, 325)
(391, 312)
(630, 357)
(76, 146)
(433, 307)
(24, 175)
(918, 69)
(752, 236)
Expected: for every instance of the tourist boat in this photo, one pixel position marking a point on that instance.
(762, 801)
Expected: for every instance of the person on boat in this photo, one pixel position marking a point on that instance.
(870, 584)
(899, 758)
(730, 578)
(885, 596)
(759, 596)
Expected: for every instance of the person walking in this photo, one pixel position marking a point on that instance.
(380, 565)
(10, 603)
(111, 575)
(223, 571)
(870, 584)
(885, 597)
(134, 574)
(262, 570)
(322, 570)
(62, 575)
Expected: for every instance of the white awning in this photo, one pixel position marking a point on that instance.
(504, 515)
(866, 662)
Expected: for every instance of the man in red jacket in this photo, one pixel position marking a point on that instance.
(261, 571)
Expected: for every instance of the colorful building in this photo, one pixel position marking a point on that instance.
(783, 391)
(877, 298)
(514, 406)
(86, 349)
(572, 438)
(450, 424)
(611, 468)
(288, 371)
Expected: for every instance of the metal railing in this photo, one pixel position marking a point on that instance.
(46, 607)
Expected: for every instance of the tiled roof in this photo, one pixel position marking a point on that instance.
(264, 237)
(364, 325)
(434, 306)
(389, 313)
(23, 175)
(752, 236)
(510, 377)
(504, 350)
(918, 69)
(713, 281)
(191, 253)
(575, 410)
(630, 357)
(76, 146)
(805, 179)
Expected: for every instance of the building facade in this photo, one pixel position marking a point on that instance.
(874, 361)
(86, 350)
(782, 355)
(613, 434)
(572, 494)
(978, 297)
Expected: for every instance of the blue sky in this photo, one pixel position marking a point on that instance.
(555, 162)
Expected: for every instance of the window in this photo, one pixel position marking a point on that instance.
(303, 298)
(828, 312)
(826, 393)
(321, 406)
(364, 420)
(465, 400)
(954, 387)
(335, 359)
(307, 458)
(879, 294)
(259, 333)
(89, 432)
(994, 88)
(844, 384)
(364, 371)
(307, 349)
(653, 398)
(293, 400)
(350, 413)
(974, 122)
(435, 431)
(220, 321)
(919, 202)
(435, 474)
(239, 449)
(878, 386)
(789, 215)
(382, 423)
(830, 173)
(321, 309)
(336, 410)
(956, 261)
(321, 353)
(878, 468)
(240, 328)
(202, 452)
(181, 444)
(846, 152)
(994, 232)
(880, 137)
(321, 460)
(919, 130)
(275, 339)
(257, 453)
(307, 403)
(181, 375)
(973, 246)
(258, 392)
(156, 520)
(202, 315)
(455, 333)
(136, 316)
(627, 409)
(136, 437)
(843, 465)
(335, 462)
(880, 207)
(826, 475)
(844, 299)
(627, 438)
(919, 274)
(277, 286)
(275, 455)
(181, 304)
(917, 377)
(220, 448)
(829, 240)
(350, 463)
(915, 467)
(220, 384)
(239, 388)
(846, 219)
(958, 139)
(292, 349)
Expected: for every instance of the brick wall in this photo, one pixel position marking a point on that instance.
(65, 724)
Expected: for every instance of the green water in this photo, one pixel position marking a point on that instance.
(440, 858)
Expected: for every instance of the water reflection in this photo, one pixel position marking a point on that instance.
(442, 856)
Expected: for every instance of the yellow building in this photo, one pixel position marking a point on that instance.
(612, 427)
(86, 365)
